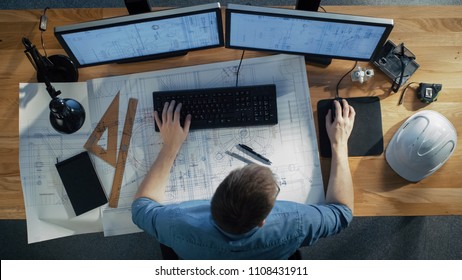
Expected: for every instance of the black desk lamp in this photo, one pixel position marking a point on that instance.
(66, 115)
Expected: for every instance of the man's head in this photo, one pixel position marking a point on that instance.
(244, 199)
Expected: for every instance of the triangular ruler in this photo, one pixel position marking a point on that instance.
(110, 122)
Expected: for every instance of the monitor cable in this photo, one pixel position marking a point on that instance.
(239, 68)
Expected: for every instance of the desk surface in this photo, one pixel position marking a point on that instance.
(433, 34)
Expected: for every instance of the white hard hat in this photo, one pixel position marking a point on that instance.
(422, 144)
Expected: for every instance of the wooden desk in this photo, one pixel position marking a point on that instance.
(433, 34)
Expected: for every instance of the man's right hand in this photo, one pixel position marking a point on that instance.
(340, 129)
(170, 128)
(155, 182)
(340, 187)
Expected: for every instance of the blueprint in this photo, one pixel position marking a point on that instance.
(304, 35)
(204, 160)
(144, 38)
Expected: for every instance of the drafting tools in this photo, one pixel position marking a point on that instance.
(254, 154)
(123, 152)
(239, 157)
(110, 122)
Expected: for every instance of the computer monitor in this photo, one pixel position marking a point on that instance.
(143, 36)
(307, 33)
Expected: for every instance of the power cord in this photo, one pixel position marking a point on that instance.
(43, 26)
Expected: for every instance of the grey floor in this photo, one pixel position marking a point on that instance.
(382, 238)
(367, 238)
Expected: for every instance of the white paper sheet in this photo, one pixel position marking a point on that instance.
(48, 210)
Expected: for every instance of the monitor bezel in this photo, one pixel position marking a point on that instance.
(59, 31)
(319, 16)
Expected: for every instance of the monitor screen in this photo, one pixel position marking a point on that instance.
(143, 36)
(308, 33)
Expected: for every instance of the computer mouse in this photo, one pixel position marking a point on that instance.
(333, 108)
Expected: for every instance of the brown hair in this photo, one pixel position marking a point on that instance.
(244, 198)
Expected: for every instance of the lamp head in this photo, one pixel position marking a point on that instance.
(66, 115)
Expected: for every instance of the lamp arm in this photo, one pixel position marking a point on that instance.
(66, 115)
(41, 65)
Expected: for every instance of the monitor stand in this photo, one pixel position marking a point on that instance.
(312, 6)
(307, 5)
(142, 6)
(137, 6)
(317, 60)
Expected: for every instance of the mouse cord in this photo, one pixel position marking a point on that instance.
(239, 68)
(341, 79)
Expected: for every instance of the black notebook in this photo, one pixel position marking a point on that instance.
(81, 183)
(366, 137)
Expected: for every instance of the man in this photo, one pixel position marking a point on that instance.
(243, 220)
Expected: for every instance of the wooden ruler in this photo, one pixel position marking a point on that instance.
(110, 122)
(123, 153)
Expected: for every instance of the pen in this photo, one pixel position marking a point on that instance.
(252, 152)
(243, 159)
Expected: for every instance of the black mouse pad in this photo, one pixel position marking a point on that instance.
(366, 137)
(81, 183)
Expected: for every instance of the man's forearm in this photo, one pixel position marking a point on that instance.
(340, 187)
(173, 135)
(155, 182)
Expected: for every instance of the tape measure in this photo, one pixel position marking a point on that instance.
(428, 93)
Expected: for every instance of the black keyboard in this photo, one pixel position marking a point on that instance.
(223, 107)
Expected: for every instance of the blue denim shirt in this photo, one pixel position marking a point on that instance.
(188, 228)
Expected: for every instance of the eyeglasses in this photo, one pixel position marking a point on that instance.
(278, 191)
(277, 181)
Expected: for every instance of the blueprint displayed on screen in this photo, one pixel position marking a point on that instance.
(304, 35)
(144, 38)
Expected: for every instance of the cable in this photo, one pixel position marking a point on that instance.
(395, 86)
(43, 27)
(338, 84)
(322, 8)
(239, 68)
(404, 91)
